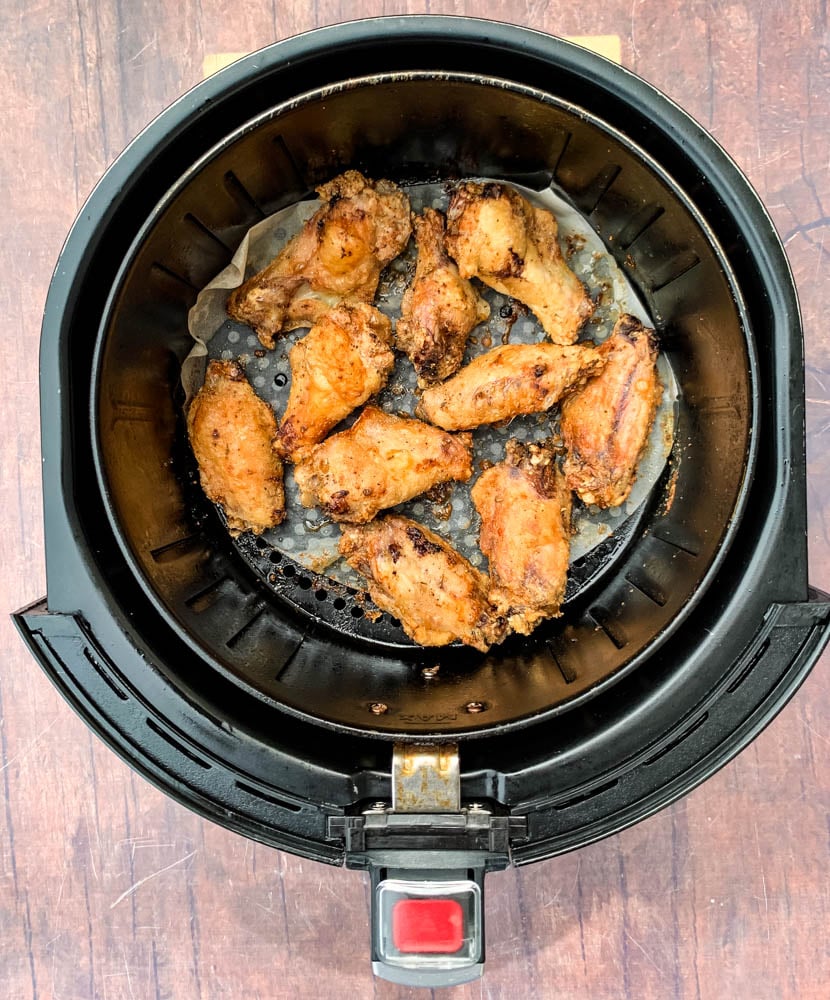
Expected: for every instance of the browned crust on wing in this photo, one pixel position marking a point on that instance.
(496, 235)
(338, 255)
(231, 430)
(525, 509)
(336, 367)
(379, 462)
(440, 308)
(418, 577)
(606, 425)
(508, 381)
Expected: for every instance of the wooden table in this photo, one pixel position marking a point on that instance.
(110, 890)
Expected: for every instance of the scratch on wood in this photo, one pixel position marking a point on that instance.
(141, 881)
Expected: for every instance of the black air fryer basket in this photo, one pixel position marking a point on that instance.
(258, 695)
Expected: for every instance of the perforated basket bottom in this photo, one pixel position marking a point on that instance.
(299, 558)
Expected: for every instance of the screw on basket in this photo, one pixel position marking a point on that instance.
(474, 707)
(378, 708)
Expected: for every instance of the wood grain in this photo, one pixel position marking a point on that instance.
(108, 889)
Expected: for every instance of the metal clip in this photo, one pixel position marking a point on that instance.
(426, 779)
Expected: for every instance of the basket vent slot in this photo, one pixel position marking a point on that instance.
(638, 224)
(756, 658)
(609, 626)
(674, 269)
(639, 580)
(289, 160)
(197, 224)
(244, 629)
(267, 797)
(241, 194)
(598, 188)
(202, 599)
(163, 271)
(577, 799)
(183, 750)
(104, 674)
(173, 551)
(699, 721)
(565, 669)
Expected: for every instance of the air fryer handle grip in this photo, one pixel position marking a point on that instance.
(427, 924)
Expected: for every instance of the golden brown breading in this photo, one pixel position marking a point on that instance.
(420, 579)
(379, 462)
(494, 234)
(230, 431)
(335, 368)
(439, 309)
(606, 425)
(361, 226)
(525, 509)
(508, 381)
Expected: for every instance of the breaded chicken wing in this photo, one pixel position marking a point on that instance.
(420, 579)
(525, 509)
(495, 235)
(439, 309)
(337, 366)
(230, 431)
(606, 425)
(379, 462)
(361, 226)
(507, 381)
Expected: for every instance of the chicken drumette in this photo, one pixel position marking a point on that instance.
(339, 254)
(379, 462)
(506, 382)
(496, 235)
(439, 309)
(606, 425)
(230, 431)
(337, 366)
(419, 578)
(525, 509)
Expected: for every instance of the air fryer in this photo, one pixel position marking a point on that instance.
(265, 698)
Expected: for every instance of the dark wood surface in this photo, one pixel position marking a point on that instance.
(108, 889)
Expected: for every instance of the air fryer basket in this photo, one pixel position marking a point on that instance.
(290, 639)
(243, 684)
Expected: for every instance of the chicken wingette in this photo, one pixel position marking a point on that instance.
(525, 508)
(439, 309)
(506, 382)
(415, 575)
(342, 361)
(231, 430)
(338, 254)
(379, 462)
(606, 425)
(496, 235)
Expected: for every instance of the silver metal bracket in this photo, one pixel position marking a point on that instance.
(426, 779)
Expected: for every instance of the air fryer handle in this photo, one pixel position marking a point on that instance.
(427, 924)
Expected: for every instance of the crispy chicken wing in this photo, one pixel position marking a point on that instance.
(420, 579)
(494, 234)
(380, 462)
(525, 509)
(338, 254)
(337, 366)
(507, 381)
(606, 425)
(230, 431)
(439, 309)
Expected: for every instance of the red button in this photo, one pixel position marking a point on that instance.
(428, 925)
